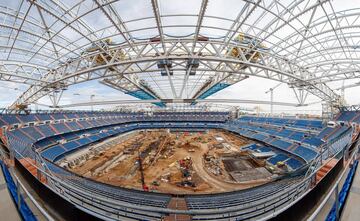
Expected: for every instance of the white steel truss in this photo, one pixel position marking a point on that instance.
(212, 61)
(304, 43)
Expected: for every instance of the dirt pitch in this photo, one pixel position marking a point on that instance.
(172, 162)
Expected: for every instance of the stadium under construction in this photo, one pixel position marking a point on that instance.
(144, 110)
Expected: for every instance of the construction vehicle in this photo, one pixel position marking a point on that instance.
(155, 183)
(251, 48)
(21, 107)
(186, 183)
(280, 164)
(107, 53)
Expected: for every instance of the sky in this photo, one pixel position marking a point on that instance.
(251, 88)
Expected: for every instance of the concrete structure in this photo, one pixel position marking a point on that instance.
(351, 210)
(8, 210)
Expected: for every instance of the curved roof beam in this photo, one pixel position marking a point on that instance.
(36, 23)
(319, 26)
(275, 67)
(19, 72)
(301, 57)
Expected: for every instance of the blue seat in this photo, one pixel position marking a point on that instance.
(326, 131)
(294, 164)
(46, 130)
(264, 149)
(71, 145)
(338, 132)
(31, 132)
(251, 147)
(61, 128)
(43, 117)
(53, 152)
(45, 143)
(305, 153)
(281, 144)
(313, 141)
(9, 119)
(277, 158)
(347, 116)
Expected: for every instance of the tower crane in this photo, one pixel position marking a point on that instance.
(343, 87)
(141, 169)
(271, 90)
(140, 159)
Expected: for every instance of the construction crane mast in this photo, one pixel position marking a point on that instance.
(141, 169)
(343, 87)
(271, 90)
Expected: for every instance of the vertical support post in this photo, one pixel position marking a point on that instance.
(12, 160)
(18, 189)
(271, 101)
(344, 156)
(38, 172)
(328, 111)
(170, 80)
(91, 100)
(337, 201)
(321, 153)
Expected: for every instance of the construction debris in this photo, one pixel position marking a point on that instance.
(160, 160)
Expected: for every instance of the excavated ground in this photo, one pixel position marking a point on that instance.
(173, 162)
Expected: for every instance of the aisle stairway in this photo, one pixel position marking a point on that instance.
(180, 204)
(325, 169)
(29, 163)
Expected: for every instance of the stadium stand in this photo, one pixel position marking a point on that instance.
(294, 164)
(55, 135)
(348, 116)
(238, 197)
(297, 123)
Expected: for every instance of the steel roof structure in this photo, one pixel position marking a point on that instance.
(177, 49)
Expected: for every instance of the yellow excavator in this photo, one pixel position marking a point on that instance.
(251, 50)
(107, 53)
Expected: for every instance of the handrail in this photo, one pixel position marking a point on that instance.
(300, 188)
(67, 186)
(64, 111)
(20, 186)
(38, 206)
(308, 178)
(334, 188)
(318, 160)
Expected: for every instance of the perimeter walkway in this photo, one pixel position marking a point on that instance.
(8, 209)
(351, 210)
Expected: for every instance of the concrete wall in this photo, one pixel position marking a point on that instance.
(63, 209)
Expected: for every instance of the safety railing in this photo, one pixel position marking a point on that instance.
(332, 197)
(110, 208)
(114, 209)
(328, 151)
(22, 192)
